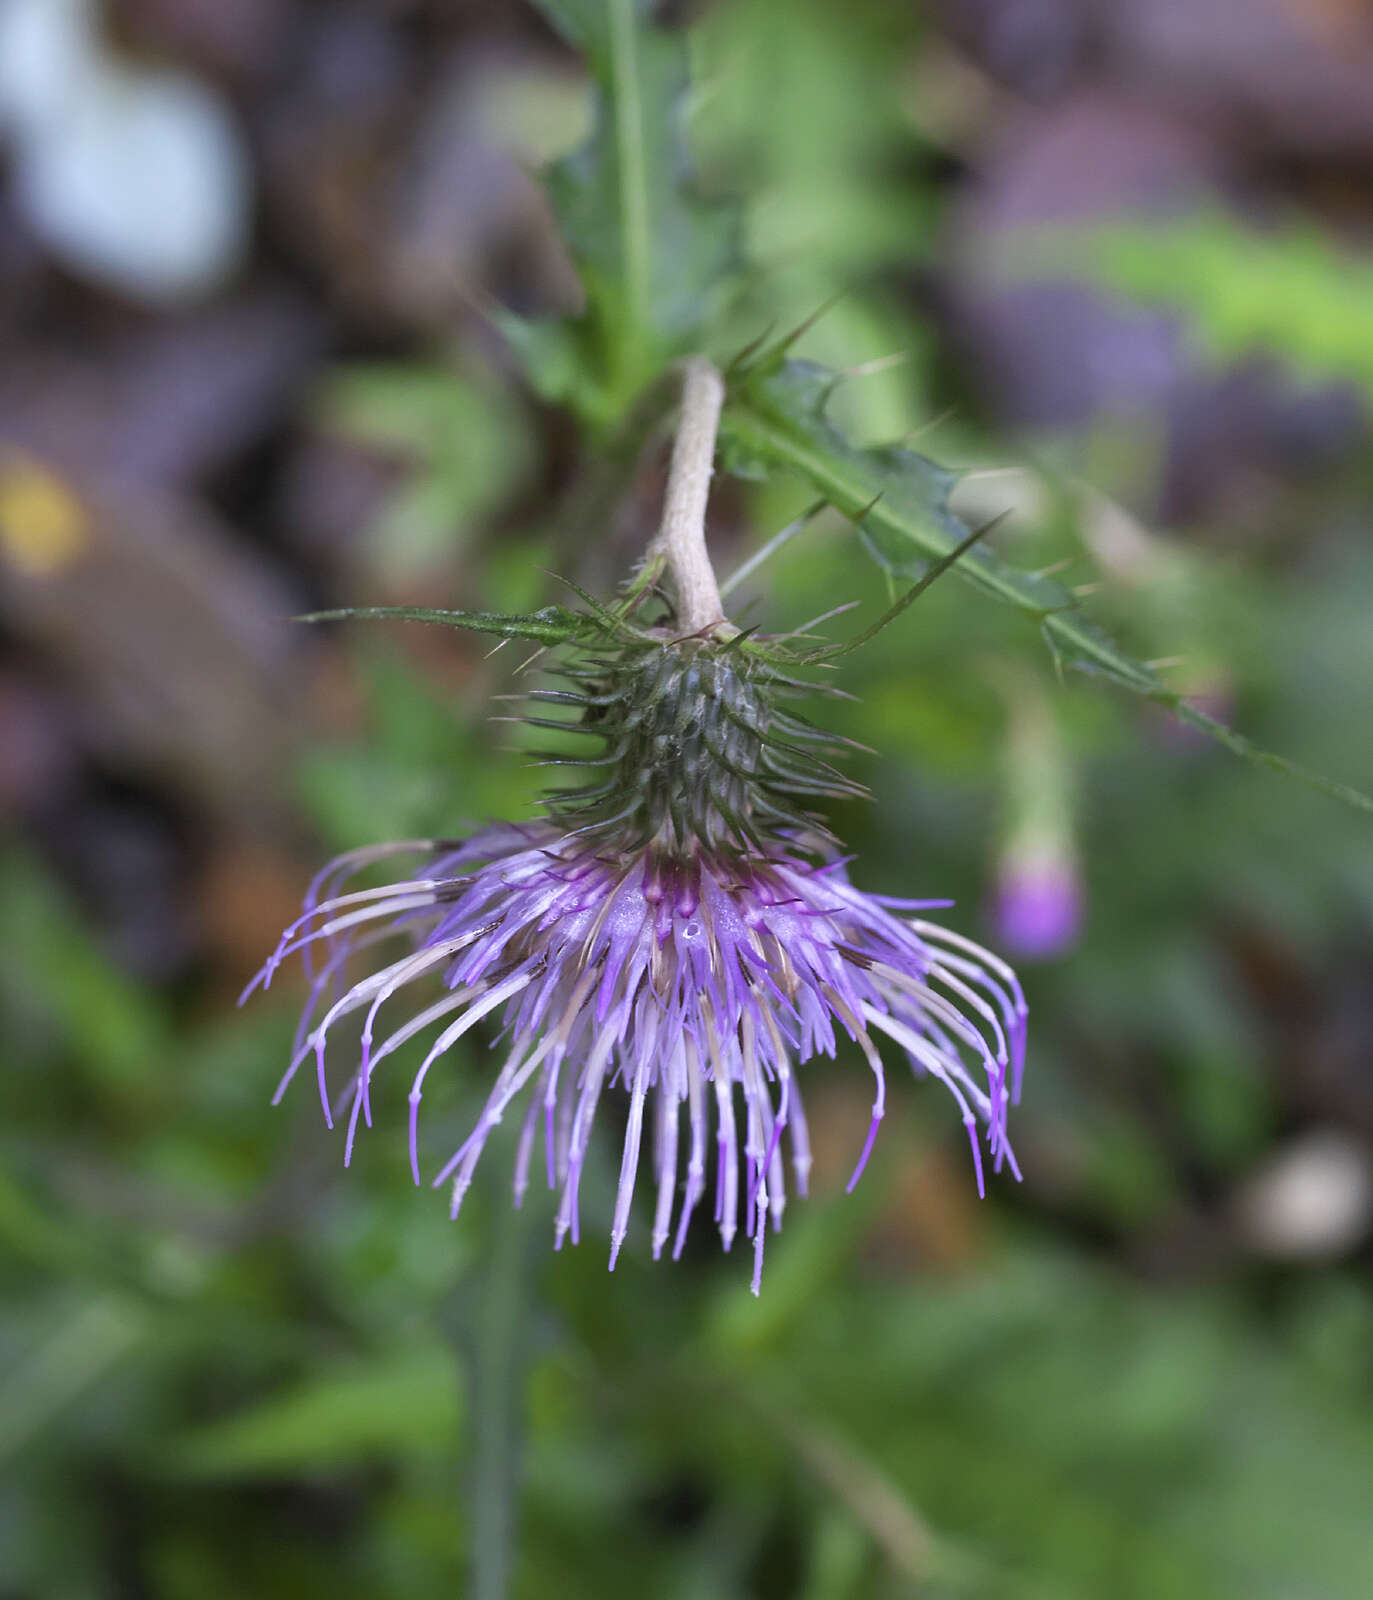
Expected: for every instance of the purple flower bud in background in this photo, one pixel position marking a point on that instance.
(677, 931)
(1038, 902)
(1038, 905)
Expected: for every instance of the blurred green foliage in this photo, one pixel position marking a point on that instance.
(1290, 291)
(463, 441)
(226, 1367)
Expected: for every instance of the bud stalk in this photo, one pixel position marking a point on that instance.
(681, 539)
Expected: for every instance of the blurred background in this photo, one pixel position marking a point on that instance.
(1114, 261)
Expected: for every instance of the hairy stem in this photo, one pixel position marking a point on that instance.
(681, 539)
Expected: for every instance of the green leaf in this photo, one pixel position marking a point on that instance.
(58, 987)
(900, 500)
(461, 439)
(332, 1421)
(648, 251)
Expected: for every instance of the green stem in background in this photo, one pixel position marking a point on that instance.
(875, 1502)
(629, 139)
(496, 1369)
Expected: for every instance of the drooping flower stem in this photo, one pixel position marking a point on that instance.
(681, 539)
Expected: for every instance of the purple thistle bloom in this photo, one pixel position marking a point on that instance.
(693, 944)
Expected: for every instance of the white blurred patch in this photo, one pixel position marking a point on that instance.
(45, 46)
(1314, 1199)
(133, 177)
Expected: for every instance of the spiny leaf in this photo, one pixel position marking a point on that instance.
(611, 622)
(551, 625)
(911, 595)
(765, 355)
(777, 421)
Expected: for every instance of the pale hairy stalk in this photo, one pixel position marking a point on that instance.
(681, 539)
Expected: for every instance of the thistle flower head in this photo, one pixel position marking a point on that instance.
(681, 930)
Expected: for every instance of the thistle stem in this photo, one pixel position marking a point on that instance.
(681, 539)
(497, 1363)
